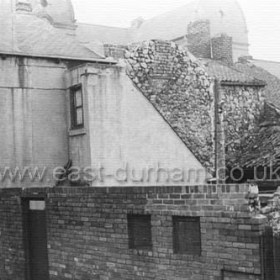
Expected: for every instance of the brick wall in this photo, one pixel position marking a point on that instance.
(88, 236)
(11, 245)
(222, 48)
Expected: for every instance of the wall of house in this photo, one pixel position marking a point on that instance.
(6, 19)
(242, 108)
(125, 134)
(180, 89)
(32, 117)
(88, 233)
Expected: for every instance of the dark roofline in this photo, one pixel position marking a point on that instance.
(239, 83)
(263, 60)
(180, 38)
(100, 60)
(186, 35)
(275, 107)
(102, 25)
(240, 44)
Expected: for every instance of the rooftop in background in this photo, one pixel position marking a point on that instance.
(25, 22)
(265, 150)
(88, 33)
(61, 12)
(225, 16)
(271, 66)
(25, 33)
(272, 89)
(227, 74)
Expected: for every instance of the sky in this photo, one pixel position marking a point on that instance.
(262, 16)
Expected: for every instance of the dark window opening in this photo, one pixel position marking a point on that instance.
(186, 235)
(139, 231)
(77, 109)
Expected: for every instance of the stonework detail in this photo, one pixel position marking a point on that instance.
(180, 89)
(222, 48)
(242, 108)
(114, 51)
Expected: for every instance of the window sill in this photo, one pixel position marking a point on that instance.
(77, 132)
(188, 257)
(142, 252)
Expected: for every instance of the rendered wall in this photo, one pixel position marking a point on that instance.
(123, 131)
(32, 117)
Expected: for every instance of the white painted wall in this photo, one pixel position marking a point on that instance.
(126, 130)
(33, 122)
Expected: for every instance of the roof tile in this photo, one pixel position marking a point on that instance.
(264, 150)
(37, 37)
(226, 73)
(272, 89)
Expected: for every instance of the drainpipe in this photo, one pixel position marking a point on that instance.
(220, 163)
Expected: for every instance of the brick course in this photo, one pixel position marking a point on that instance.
(222, 48)
(87, 233)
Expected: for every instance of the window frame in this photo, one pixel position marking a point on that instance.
(177, 246)
(74, 108)
(133, 243)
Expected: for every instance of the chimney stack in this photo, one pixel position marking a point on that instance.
(199, 40)
(222, 48)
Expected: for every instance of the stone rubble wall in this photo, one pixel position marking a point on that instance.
(180, 89)
(242, 108)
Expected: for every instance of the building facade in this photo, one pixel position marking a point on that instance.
(108, 146)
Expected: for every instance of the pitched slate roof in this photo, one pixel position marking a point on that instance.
(91, 32)
(33, 36)
(225, 16)
(272, 67)
(272, 90)
(265, 150)
(61, 11)
(226, 73)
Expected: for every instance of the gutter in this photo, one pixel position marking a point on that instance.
(238, 83)
(58, 57)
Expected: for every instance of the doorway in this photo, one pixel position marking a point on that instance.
(35, 239)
